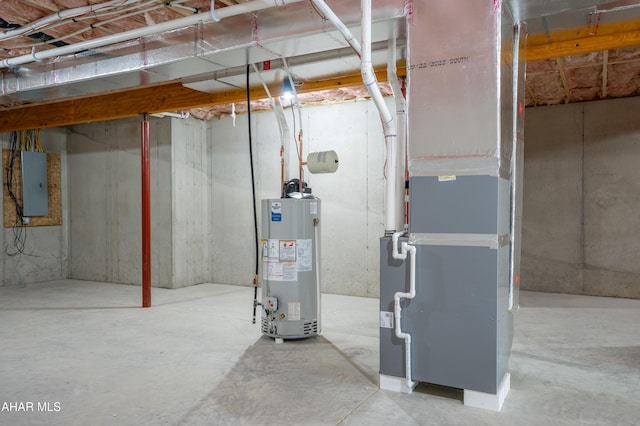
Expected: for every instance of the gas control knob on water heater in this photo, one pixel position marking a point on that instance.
(290, 262)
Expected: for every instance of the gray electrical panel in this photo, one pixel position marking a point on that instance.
(34, 184)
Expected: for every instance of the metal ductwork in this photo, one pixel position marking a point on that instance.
(199, 54)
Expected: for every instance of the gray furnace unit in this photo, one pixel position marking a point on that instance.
(448, 289)
(290, 268)
(460, 327)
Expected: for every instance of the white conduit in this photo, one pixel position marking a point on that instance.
(63, 14)
(397, 309)
(175, 24)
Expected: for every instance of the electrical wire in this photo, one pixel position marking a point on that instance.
(19, 230)
(253, 191)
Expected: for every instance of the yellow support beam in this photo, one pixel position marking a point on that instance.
(583, 40)
(172, 96)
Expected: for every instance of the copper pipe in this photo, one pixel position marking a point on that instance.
(146, 212)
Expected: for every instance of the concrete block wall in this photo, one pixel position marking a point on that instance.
(352, 198)
(581, 227)
(46, 252)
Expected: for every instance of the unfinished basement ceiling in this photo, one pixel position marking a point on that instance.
(205, 56)
(596, 74)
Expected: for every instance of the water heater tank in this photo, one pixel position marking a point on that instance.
(290, 262)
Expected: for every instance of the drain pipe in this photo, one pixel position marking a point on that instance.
(397, 309)
(225, 12)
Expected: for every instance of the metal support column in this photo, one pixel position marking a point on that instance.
(146, 212)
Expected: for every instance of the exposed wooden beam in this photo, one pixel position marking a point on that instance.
(172, 96)
(583, 40)
(583, 45)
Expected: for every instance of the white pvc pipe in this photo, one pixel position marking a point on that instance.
(214, 16)
(371, 83)
(63, 14)
(388, 123)
(187, 21)
(397, 309)
(333, 18)
(183, 115)
(401, 116)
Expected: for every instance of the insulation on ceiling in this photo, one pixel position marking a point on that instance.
(599, 75)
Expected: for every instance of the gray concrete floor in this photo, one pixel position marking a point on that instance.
(88, 351)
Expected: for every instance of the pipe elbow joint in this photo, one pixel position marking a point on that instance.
(399, 255)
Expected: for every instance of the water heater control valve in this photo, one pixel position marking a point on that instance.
(270, 304)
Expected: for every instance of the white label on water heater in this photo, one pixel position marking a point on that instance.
(313, 207)
(305, 255)
(276, 211)
(386, 319)
(294, 311)
(287, 251)
(273, 250)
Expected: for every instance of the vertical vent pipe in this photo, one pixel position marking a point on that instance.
(388, 122)
(371, 83)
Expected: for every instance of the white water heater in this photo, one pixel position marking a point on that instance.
(290, 268)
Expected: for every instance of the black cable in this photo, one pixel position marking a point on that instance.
(19, 230)
(38, 36)
(253, 191)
